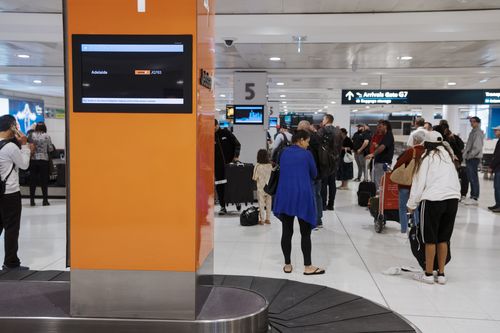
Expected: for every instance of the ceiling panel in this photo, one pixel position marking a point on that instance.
(41, 54)
(359, 56)
(31, 6)
(348, 6)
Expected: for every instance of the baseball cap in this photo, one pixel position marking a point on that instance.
(497, 128)
(433, 137)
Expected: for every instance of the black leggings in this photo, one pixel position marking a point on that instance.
(286, 238)
(39, 175)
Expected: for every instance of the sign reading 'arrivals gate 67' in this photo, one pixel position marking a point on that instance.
(421, 97)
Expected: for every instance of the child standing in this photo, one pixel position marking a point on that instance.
(261, 174)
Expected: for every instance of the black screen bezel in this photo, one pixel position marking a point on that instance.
(78, 106)
(235, 120)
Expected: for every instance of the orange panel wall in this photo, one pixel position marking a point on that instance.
(205, 137)
(133, 177)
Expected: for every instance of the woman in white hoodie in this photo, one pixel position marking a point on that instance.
(436, 189)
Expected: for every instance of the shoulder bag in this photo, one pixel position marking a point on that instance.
(403, 175)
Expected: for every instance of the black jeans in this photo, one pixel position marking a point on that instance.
(39, 176)
(464, 181)
(329, 193)
(220, 194)
(286, 238)
(10, 221)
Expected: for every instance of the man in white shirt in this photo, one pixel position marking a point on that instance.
(419, 126)
(11, 159)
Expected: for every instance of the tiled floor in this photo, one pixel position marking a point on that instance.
(352, 253)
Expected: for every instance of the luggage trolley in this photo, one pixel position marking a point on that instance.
(388, 203)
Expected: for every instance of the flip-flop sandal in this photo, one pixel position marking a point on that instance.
(317, 271)
(287, 272)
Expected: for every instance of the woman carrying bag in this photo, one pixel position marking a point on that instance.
(295, 198)
(403, 176)
(436, 189)
(346, 161)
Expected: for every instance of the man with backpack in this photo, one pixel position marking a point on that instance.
(282, 140)
(331, 145)
(11, 159)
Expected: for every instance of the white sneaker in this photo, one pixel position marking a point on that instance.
(471, 202)
(423, 278)
(440, 279)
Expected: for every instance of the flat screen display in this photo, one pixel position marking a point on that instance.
(132, 73)
(273, 122)
(229, 112)
(224, 124)
(249, 114)
(26, 112)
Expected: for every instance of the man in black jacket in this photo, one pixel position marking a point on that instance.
(495, 167)
(227, 150)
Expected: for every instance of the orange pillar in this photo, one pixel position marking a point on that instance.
(140, 183)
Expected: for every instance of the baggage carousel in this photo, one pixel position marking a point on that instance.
(32, 301)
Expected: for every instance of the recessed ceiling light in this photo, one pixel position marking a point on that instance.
(355, 110)
(364, 83)
(37, 81)
(282, 96)
(405, 58)
(484, 80)
(222, 95)
(280, 83)
(367, 107)
(218, 110)
(325, 107)
(452, 83)
(284, 102)
(315, 112)
(320, 110)
(333, 102)
(275, 58)
(23, 56)
(483, 72)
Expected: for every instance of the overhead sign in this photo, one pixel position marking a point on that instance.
(421, 97)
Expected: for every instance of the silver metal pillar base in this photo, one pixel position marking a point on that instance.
(227, 309)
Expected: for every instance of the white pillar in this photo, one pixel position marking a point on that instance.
(428, 113)
(342, 116)
(452, 115)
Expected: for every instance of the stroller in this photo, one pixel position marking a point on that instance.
(385, 207)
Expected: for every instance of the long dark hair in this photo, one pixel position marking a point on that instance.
(430, 147)
(262, 156)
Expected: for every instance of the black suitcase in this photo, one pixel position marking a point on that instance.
(366, 190)
(249, 217)
(240, 186)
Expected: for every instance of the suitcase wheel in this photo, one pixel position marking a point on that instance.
(379, 223)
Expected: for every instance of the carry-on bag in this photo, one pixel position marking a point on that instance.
(249, 217)
(240, 186)
(418, 247)
(366, 190)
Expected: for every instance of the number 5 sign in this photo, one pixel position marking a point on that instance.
(250, 88)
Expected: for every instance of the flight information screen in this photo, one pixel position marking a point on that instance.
(132, 73)
(248, 114)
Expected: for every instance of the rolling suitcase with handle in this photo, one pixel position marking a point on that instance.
(366, 190)
(240, 186)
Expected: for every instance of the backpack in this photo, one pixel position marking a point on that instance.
(3, 183)
(329, 151)
(277, 152)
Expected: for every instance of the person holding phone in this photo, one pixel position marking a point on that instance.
(14, 154)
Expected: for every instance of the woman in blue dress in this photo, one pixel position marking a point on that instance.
(295, 198)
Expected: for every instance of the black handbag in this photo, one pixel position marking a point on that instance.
(272, 185)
